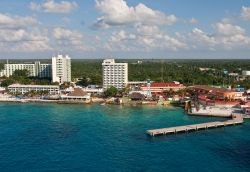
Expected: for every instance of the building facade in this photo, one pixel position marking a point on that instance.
(34, 70)
(246, 73)
(160, 87)
(17, 88)
(114, 74)
(61, 69)
(218, 93)
(77, 95)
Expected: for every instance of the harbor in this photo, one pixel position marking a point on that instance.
(236, 119)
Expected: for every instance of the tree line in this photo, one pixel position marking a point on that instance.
(184, 71)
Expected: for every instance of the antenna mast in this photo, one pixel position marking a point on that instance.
(162, 71)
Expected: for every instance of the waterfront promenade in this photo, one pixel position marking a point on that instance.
(236, 119)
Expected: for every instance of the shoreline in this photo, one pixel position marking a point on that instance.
(103, 102)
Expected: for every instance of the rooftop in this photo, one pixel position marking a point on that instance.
(110, 61)
(32, 86)
(77, 92)
(136, 95)
(163, 84)
(211, 89)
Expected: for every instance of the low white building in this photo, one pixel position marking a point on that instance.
(77, 95)
(246, 73)
(34, 69)
(17, 88)
(233, 74)
(93, 90)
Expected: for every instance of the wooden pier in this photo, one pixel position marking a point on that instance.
(236, 119)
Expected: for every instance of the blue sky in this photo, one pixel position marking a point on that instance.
(125, 28)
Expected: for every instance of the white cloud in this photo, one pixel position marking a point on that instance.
(117, 12)
(245, 13)
(147, 29)
(22, 34)
(226, 36)
(122, 36)
(233, 41)
(66, 34)
(9, 21)
(228, 29)
(22, 40)
(198, 36)
(50, 6)
(34, 6)
(193, 21)
(37, 39)
(145, 37)
(67, 39)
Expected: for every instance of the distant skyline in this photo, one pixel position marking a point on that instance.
(171, 29)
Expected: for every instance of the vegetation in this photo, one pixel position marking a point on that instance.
(21, 77)
(184, 71)
(111, 92)
(90, 71)
(31, 93)
(65, 85)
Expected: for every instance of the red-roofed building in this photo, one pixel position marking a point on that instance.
(159, 87)
(218, 93)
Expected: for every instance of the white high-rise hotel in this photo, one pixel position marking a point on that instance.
(61, 69)
(58, 71)
(114, 74)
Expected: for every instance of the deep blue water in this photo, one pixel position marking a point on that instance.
(51, 137)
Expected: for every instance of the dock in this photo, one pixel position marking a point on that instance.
(236, 119)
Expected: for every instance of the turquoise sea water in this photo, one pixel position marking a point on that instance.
(51, 137)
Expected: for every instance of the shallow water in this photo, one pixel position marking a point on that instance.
(51, 137)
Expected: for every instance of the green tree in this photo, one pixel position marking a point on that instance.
(20, 73)
(83, 82)
(111, 91)
(7, 82)
(65, 85)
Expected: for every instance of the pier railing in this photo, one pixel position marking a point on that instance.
(236, 119)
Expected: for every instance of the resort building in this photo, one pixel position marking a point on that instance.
(2, 90)
(77, 95)
(61, 69)
(159, 87)
(17, 88)
(34, 69)
(114, 74)
(135, 85)
(217, 93)
(93, 89)
(246, 73)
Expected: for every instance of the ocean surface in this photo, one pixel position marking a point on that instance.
(52, 137)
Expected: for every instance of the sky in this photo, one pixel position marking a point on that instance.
(93, 29)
